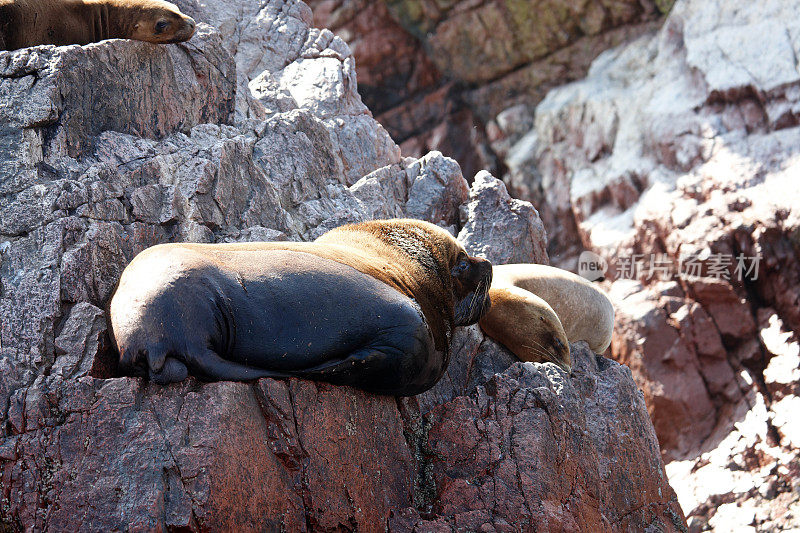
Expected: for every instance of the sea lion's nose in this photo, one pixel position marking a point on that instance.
(485, 267)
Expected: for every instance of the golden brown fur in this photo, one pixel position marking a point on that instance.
(25, 23)
(585, 311)
(526, 325)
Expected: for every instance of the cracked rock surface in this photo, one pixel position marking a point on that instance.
(520, 452)
(255, 131)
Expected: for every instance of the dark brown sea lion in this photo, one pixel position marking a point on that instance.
(540, 293)
(25, 23)
(370, 305)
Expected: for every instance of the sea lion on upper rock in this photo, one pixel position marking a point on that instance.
(584, 311)
(371, 305)
(25, 23)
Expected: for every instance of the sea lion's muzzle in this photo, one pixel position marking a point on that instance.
(185, 33)
(562, 355)
(472, 291)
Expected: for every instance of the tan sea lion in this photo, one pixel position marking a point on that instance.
(370, 305)
(526, 325)
(585, 312)
(25, 23)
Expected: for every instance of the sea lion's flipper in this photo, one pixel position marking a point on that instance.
(209, 365)
(172, 371)
(370, 368)
(330, 370)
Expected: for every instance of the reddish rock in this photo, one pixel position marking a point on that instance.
(117, 454)
(530, 448)
(437, 74)
(666, 366)
(731, 313)
(392, 65)
(514, 456)
(479, 42)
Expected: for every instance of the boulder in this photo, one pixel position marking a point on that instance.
(530, 448)
(535, 448)
(58, 99)
(500, 228)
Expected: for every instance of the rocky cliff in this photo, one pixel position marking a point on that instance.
(680, 146)
(254, 130)
(438, 73)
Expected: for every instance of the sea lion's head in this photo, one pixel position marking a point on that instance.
(439, 264)
(161, 23)
(471, 278)
(550, 341)
(527, 326)
(427, 263)
(468, 278)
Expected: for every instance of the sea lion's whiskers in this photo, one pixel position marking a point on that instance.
(541, 346)
(482, 284)
(537, 351)
(475, 293)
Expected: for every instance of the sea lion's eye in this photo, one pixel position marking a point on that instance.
(460, 267)
(161, 25)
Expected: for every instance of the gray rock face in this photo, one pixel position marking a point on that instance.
(500, 228)
(254, 132)
(55, 100)
(262, 36)
(435, 191)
